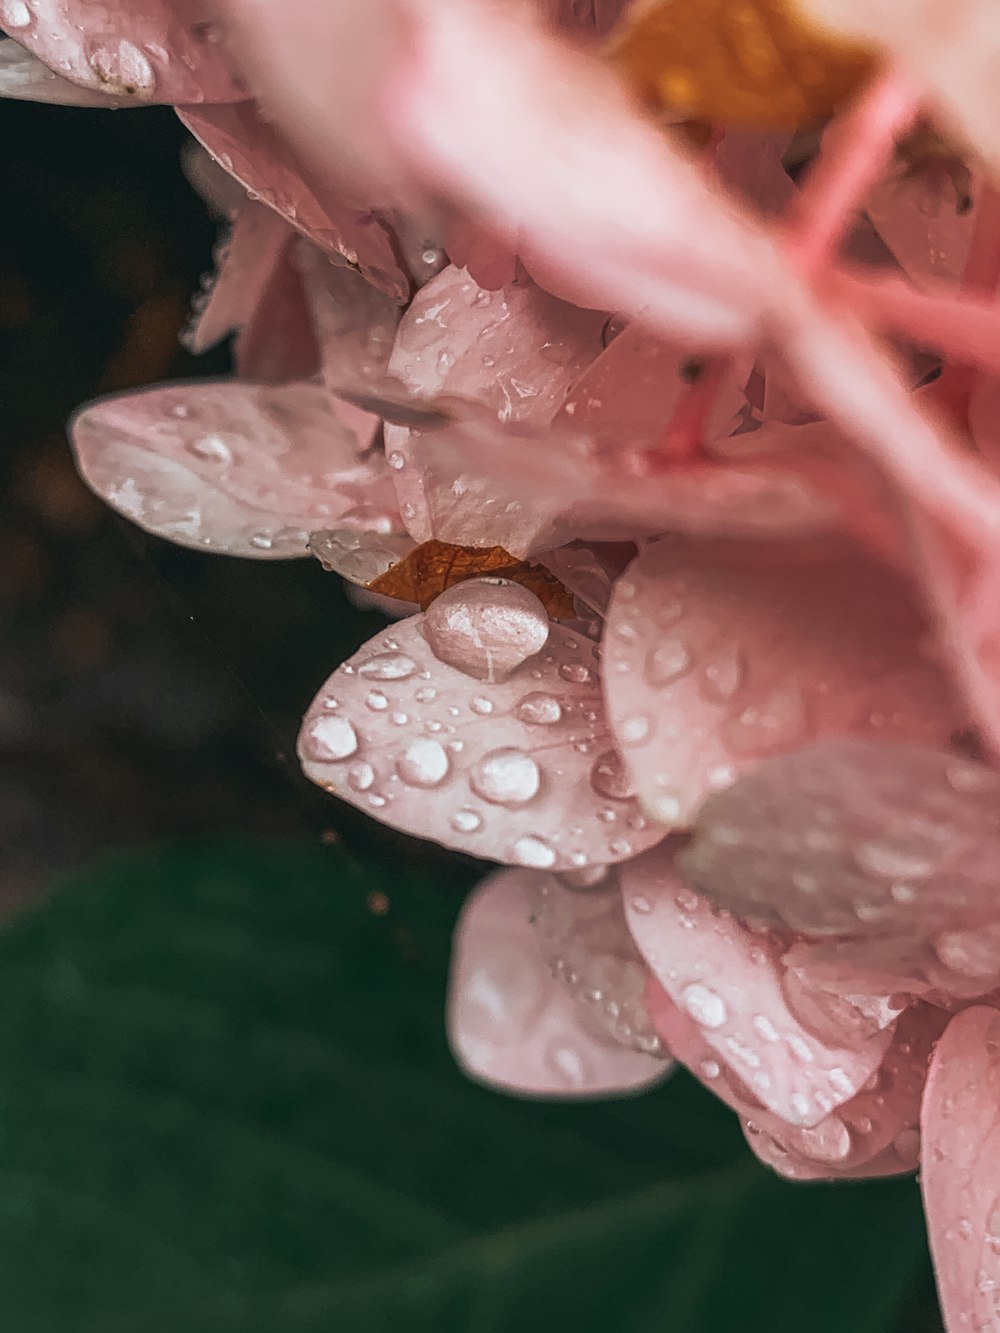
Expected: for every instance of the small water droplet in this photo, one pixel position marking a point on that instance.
(506, 776)
(641, 905)
(330, 738)
(635, 730)
(534, 852)
(667, 661)
(539, 709)
(466, 821)
(723, 677)
(609, 778)
(426, 694)
(577, 673)
(886, 861)
(567, 1062)
(396, 460)
(765, 1028)
(704, 1005)
(424, 763)
(376, 701)
(209, 448)
(388, 666)
(829, 1141)
(710, 1069)
(481, 705)
(361, 777)
(262, 540)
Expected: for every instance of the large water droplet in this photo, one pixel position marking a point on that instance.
(330, 738)
(533, 851)
(15, 14)
(388, 666)
(704, 1005)
(506, 776)
(424, 763)
(539, 709)
(486, 629)
(123, 68)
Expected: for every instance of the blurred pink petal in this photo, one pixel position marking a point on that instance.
(582, 933)
(727, 979)
(515, 353)
(400, 101)
(510, 1023)
(252, 151)
(143, 51)
(479, 725)
(716, 655)
(960, 1168)
(855, 838)
(239, 468)
(925, 231)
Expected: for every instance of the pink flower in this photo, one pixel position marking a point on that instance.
(748, 796)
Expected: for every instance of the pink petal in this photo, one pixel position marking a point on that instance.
(244, 469)
(515, 352)
(25, 77)
(716, 655)
(855, 838)
(727, 979)
(143, 51)
(876, 1133)
(251, 150)
(583, 936)
(510, 1023)
(960, 1168)
(478, 725)
(927, 234)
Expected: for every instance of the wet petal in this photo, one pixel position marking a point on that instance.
(251, 150)
(716, 656)
(855, 838)
(514, 352)
(727, 980)
(238, 468)
(26, 78)
(141, 52)
(960, 1168)
(583, 936)
(478, 725)
(510, 1023)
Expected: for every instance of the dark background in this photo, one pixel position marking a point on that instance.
(147, 693)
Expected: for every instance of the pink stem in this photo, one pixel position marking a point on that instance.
(846, 169)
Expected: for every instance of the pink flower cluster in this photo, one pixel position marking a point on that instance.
(747, 799)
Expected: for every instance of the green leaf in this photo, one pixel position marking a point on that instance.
(226, 1104)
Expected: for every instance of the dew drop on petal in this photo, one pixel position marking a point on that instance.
(424, 763)
(330, 738)
(211, 449)
(486, 629)
(15, 14)
(722, 677)
(466, 821)
(567, 1063)
(506, 776)
(539, 709)
(635, 730)
(376, 701)
(533, 851)
(667, 661)
(388, 666)
(609, 778)
(361, 777)
(829, 1141)
(704, 1006)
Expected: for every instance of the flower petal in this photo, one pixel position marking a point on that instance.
(140, 52)
(240, 468)
(855, 838)
(26, 78)
(510, 1023)
(478, 725)
(960, 1168)
(727, 979)
(717, 655)
(251, 150)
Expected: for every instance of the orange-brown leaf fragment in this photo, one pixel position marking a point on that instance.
(434, 566)
(753, 64)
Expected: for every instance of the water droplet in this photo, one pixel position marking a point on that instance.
(466, 821)
(376, 701)
(486, 629)
(396, 460)
(388, 666)
(641, 905)
(506, 777)
(361, 777)
(424, 763)
(841, 1083)
(765, 1028)
(635, 730)
(263, 541)
(895, 863)
(481, 705)
(770, 723)
(667, 661)
(426, 694)
(123, 68)
(330, 738)
(539, 709)
(704, 1006)
(534, 852)
(15, 14)
(576, 672)
(609, 778)
(723, 677)
(210, 448)
(567, 1063)
(829, 1141)
(710, 1069)
(399, 718)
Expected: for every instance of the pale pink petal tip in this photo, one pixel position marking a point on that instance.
(511, 1024)
(242, 469)
(479, 724)
(960, 1169)
(727, 980)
